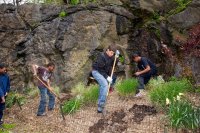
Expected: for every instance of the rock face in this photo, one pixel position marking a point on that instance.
(188, 17)
(36, 34)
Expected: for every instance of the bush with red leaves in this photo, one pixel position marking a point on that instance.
(192, 46)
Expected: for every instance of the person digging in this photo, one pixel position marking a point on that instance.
(146, 69)
(4, 89)
(44, 74)
(101, 69)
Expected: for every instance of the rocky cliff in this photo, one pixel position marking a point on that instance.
(71, 36)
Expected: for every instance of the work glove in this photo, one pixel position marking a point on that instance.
(109, 79)
(117, 53)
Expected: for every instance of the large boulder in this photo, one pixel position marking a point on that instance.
(187, 18)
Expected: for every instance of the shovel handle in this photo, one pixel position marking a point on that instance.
(48, 87)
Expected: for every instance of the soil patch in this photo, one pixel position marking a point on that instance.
(140, 111)
(114, 123)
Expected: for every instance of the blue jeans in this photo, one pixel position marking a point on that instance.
(103, 89)
(2, 107)
(43, 101)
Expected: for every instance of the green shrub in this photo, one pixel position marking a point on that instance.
(13, 98)
(62, 14)
(71, 106)
(91, 95)
(169, 90)
(74, 2)
(6, 127)
(153, 83)
(127, 87)
(182, 114)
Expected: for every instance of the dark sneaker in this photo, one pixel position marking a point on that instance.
(43, 114)
(50, 109)
(99, 111)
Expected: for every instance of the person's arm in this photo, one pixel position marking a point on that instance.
(35, 67)
(8, 85)
(100, 62)
(147, 68)
(2, 96)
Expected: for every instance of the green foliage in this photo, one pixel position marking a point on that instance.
(183, 115)
(32, 92)
(127, 87)
(91, 95)
(62, 14)
(6, 127)
(122, 59)
(161, 92)
(71, 106)
(13, 98)
(153, 83)
(83, 96)
(74, 2)
(182, 5)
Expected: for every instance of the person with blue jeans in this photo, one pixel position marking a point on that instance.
(146, 69)
(4, 89)
(101, 70)
(44, 73)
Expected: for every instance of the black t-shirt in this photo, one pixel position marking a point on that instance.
(145, 62)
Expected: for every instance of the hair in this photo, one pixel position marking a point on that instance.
(2, 65)
(112, 47)
(136, 54)
(50, 64)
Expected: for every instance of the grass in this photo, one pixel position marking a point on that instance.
(32, 92)
(182, 114)
(161, 92)
(71, 106)
(83, 96)
(91, 95)
(127, 87)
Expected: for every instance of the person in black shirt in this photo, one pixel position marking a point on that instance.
(101, 71)
(146, 69)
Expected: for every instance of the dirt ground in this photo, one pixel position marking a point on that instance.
(124, 116)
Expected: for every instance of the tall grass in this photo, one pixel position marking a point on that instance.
(171, 89)
(182, 114)
(83, 96)
(127, 87)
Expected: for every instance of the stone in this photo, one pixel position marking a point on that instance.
(187, 18)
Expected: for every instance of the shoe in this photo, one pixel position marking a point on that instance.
(138, 95)
(111, 89)
(99, 111)
(1, 123)
(43, 114)
(50, 109)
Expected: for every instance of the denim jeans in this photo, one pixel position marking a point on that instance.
(143, 79)
(103, 88)
(2, 107)
(43, 100)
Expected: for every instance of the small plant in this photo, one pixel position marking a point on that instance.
(182, 114)
(62, 14)
(32, 92)
(91, 95)
(74, 2)
(168, 90)
(6, 127)
(13, 98)
(153, 83)
(79, 89)
(127, 87)
(72, 105)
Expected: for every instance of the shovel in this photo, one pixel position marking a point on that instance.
(52, 92)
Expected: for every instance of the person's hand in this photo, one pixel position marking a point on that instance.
(117, 53)
(34, 74)
(137, 73)
(6, 94)
(109, 79)
(3, 99)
